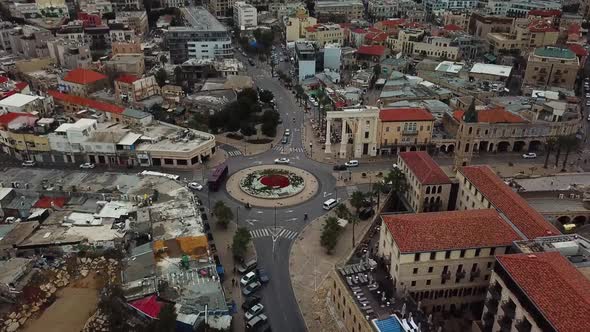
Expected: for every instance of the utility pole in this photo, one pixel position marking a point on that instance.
(275, 219)
(238, 216)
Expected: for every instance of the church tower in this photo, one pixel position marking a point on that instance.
(465, 137)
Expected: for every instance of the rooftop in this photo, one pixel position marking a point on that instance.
(437, 231)
(199, 18)
(552, 284)
(555, 52)
(504, 199)
(492, 115)
(405, 114)
(17, 100)
(424, 167)
(578, 49)
(11, 116)
(83, 76)
(491, 69)
(449, 67)
(86, 102)
(374, 50)
(126, 78)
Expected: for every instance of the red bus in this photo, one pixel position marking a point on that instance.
(218, 174)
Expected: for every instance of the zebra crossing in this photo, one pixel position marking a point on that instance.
(234, 153)
(264, 232)
(286, 149)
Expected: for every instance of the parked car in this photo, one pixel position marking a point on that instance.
(254, 311)
(195, 186)
(262, 275)
(248, 278)
(340, 167)
(251, 62)
(28, 163)
(251, 288)
(248, 266)
(351, 163)
(366, 213)
(256, 322)
(87, 165)
(282, 161)
(250, 302)
(529, 155)
(285, 140)
(287, 132)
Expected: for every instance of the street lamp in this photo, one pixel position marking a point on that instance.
(310, 150)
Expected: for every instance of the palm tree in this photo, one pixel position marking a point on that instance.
(299, 93)
(357, 200)
(571, 143)
(378, 188)
(562, 141)
(549, 145)
(396, 180)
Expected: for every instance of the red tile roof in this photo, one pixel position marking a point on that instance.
(376, 36)
(436, 231)
(578, 49)
(424, 167)
(83, 76)
(541, 26)
(20, 86)
(554, 286)
(452, 27)
(492, 115)
(375, 50)
(393, 23)
(545, 12)
(574, 28)
(4, 79)
(45, 202)
(504, 199)
(86, 102)
(150, 306)
(9, 117)
(358, 30)
(127, 78)
(405, 114)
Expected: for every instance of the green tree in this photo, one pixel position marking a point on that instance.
(396, 181)
(111, 304)
(549, 145)
(300, 93)
(178, 75)
(266, 96)
(163, 59)
(378, 188)
(161, 77)
(247, 129)
(241, 240)
(357, 200)
(342, 211)
(330, 234)
(571, 143)
(223, 213)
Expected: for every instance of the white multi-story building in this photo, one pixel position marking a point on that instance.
(245, 15)
(386, 9)
(99, 7)
(332, 57)
(441, 5)
(174, 3)
(519, 8)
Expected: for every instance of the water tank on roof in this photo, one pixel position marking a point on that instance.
(567, 248)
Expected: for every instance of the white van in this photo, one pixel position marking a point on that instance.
(329, 204)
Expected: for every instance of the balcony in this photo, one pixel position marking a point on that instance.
(492, 305)
(475, 274)
(410, 132)
(461, 274)
(509, 308)
(495, 291)
(505, 323)
(523, 325)
(446, 275)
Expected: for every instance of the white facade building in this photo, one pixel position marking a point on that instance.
(332, 57)
(441, 5)
(245, 15)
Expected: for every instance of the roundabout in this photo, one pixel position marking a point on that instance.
(272, 185)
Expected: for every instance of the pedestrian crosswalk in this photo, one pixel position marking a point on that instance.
(281, 232)
(287, 149)
(234, 153)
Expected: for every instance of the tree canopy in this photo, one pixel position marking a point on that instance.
(330, 234)
(223, 213)
(241, 240)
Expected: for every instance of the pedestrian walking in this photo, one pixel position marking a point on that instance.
(234, 269)
(233, 282)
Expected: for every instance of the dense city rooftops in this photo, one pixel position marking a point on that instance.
(198, 18)
(374, 50)
(86, 102)
(424, 167)
(554, 286)
(438, 231)
(492, 115)
(503, 198)
(554, 52)
(83, 76)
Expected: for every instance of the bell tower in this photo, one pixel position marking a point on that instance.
(465, 137)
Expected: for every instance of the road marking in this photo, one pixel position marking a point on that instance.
(289, 211)
(257, 162)
(291, 219)
(297, 149)
(234, 153)
(259, 211)
(265, 232)
(327, 194)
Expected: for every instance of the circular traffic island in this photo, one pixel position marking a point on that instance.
(272, 185)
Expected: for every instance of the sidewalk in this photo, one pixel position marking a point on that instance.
(249, 149)
(223, 239)
(309, 265)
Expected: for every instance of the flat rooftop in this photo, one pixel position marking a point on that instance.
(199, 18)
(558, 182)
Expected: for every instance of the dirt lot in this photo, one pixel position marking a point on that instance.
(73, 306)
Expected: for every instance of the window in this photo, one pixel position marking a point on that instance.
(462, 253)
(448, 254)
(477, 251)
(168, 161)
(430, 269)
(413, 282)
(432, 256)
(492, 251)
(428, 282)
(367, 134)
(415, 270)
(416, 257)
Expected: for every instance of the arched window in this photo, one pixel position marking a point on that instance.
(428, 190)
(439, 189)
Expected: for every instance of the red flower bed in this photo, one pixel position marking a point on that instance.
(275, 181)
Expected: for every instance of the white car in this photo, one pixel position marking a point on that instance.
(351, 163)
(255, 310)
(87, 165)
(530, 155)
(284, 161)
(287, 132)
(28, 163)
(314, 102)
(195, 186)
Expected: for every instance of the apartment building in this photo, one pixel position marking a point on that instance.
(552, 66)
(245, 15)
(535, 292)
(119, 32)
(429, 186)
(404, 129)
(122, 5)
(68, 54)
(220, 8)
(130, 88)
(82, 82)
(136, 20)
(523, 36)
(481, 25)
(444, 259)
(203, 37)
(323, 34)
(131, 47)
(30, 41)
(132, 64)
(387, 9)
(481, 188)
(415, 42)
(346, 10)
(24, 103)
(295, 27)
(98, 7)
